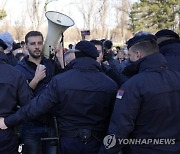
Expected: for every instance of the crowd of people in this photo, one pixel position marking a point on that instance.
(88, 98)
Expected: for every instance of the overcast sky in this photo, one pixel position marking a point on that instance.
(15, 8)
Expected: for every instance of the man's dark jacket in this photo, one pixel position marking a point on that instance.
(28, 68)
(14, 91)
(84, 97)
(13, 88)
(148, 107)
(171, 51)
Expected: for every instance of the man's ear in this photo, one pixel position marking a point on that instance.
(139, 54)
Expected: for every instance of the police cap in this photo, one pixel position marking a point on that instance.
(166, 33)
(139, 37)
(87, 48)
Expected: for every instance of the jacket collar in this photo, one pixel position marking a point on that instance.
(25, 60)
(168, 42)
(3, 57)
(85, 64)
(154, 62)
(170, 47)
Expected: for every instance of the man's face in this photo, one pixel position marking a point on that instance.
(134, 55)
(121, 55)
(100, 57)
(69, 57)
(35, 46)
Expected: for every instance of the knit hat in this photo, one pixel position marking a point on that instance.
(8, 39)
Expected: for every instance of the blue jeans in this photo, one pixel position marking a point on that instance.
(31, 134)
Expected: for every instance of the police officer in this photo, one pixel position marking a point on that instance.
(13, 91)
(84, 98)
(147, 106)
(169, 44)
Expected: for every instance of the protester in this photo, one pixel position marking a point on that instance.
(106, 68)
(38, 71)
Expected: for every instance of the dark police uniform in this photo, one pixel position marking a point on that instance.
(84, 98)
(170, 48)
(13, 91)
(148, 107)
(171, 51)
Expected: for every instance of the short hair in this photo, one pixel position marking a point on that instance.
(146, 46)
(33, 33)
(97, 42)
(107, 44)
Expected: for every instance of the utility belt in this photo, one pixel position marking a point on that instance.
(84, 135)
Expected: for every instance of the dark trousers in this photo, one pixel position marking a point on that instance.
(31, 134)
(8, 142)
(73, 145)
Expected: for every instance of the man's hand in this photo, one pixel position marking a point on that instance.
(40, 73)
(2, 124)
(106, 62)
(59, 54)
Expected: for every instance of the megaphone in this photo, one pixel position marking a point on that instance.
(57, 24)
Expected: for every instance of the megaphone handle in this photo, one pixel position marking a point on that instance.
(49, 51)
(62, 42)
(62, 39)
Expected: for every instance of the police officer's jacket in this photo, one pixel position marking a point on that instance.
(171, 51)
(84, 97)
(13, 88)
(14, 91)
(148, 107)
(11, 59)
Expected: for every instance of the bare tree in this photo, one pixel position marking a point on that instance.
(94, 14)
(19, 29)
(103, 12)
(86, 8)
(36, 10)
(122, 13)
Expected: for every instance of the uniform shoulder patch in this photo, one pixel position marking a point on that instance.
(120, 94)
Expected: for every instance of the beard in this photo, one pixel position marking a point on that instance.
(35, 54)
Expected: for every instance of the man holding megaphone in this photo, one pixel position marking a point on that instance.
(38, 71)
